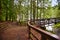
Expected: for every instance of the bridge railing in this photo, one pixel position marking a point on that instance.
(44, 35)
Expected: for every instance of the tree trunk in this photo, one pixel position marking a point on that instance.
(0, 11)
(34, 6)
(37, 9)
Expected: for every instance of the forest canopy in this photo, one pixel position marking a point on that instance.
(23, 10)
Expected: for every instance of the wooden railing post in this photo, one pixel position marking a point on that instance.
(29, 32)
(43, 37)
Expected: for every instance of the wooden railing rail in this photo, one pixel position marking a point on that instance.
(44, 34)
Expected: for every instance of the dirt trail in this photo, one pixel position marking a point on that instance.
(15, 32)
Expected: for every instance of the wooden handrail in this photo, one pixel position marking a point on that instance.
(44, 34)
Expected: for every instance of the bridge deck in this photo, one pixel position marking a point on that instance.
(16, 33)
(13, 32)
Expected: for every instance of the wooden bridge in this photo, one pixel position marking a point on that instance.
(29, 32)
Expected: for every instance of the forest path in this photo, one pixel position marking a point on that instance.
(14, 32)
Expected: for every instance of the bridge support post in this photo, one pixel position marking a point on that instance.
(29, 32)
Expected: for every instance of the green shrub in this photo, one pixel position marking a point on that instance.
(57, 25)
